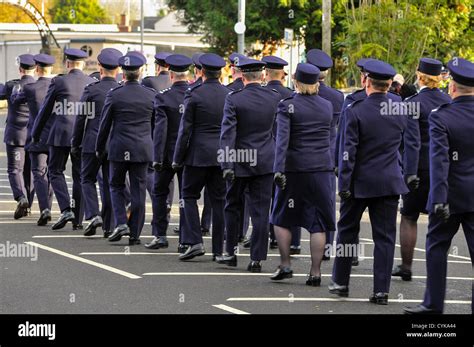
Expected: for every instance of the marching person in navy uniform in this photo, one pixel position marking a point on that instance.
(304, 171)
(248, 127)
(169, 107)
(416, 158)
(84, 139)
(162, 79)
(127, 119)
(236, 83)
(35, 93)
(370, 175)
(197, 70)
(15, 138)
(197, 149)
(64, 91)
(451, 197)
(323, 61)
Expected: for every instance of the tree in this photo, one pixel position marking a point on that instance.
(114, 8)
(12, 14)
(78, 12)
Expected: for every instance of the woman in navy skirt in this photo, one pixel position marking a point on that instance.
(303, 172)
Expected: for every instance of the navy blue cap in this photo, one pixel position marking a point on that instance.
(211, 61)
(361, 62)
(249, 65)
(234, 58)
(462, 71)
(109, 57)
(132, 61)
(307, 73)
(26, 61)
(44, 59)
(195, 59)
(274, 63)
(178, 62)
(430, 66)
(379, 70)
(161, 57)
(75, 54)
(319, 58)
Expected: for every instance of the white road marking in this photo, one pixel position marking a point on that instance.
(336, 299)
(230, 309)
(83, 260)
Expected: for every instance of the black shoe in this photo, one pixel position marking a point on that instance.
(214, 256)
(379, 298)
(342, 291)
(44, 218)
(205, 231)
(420, 309)
(133, 241)
(247, 242)
(193, 251)
(176, 230)
(157, 243)
(94, 224)
(399, 271)
(281, 273)
(182, 248)
(254, 266)
(107, 233)
(66, 216)
(229, 260)
(314, 281)
(273, 244)
(295, 250)
(326, 257)
(21, 208)
(355, 261)
(119, 231)
(77, 226)
(241, 239)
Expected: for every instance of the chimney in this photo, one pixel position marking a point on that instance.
(124, 25)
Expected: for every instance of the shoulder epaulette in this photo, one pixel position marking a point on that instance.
(165, 90)
(410, 97)
(440, 107)
(352, 104)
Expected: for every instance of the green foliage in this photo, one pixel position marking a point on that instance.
(78, 12)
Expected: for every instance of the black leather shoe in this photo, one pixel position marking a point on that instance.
(107, 233)
(355, 261)
(229, 260)
(314, 281)
(295, 250)
(205, 231)
(93, 225)
(21, 208)
(281, 273)
(133, 241)
(193, 251)
(241, 239)
(420, 309)
(214, 256)
(44, 218)
(399, 271)
(119, 231)
(66, 216)
(246, 244)
(182, 248)
(176, 230)
(77, 226)
(273, 244)
(254, 266)
(379, 298)
(337, 289)
(157, 243)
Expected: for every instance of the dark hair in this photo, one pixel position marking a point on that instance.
(211, 73)
(380, 85)
(131, 75)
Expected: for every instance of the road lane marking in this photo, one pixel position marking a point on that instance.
(338, 299)
(230, 309)
(84, 260)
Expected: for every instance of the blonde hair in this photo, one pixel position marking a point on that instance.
(428, 80)
(306, 89)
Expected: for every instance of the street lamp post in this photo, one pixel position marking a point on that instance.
(142, 25)
(240, 27)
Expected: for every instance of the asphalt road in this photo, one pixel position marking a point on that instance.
(75, 274)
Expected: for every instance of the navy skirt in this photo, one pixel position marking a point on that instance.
(307, 201)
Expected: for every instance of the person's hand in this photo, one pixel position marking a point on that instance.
(75, 151)
(345, 195)
(442, 211)
(176, 167)
(157, 166)
(280, 180)
(336, 171)
(413, 182)
(100, 155)
(228, 174)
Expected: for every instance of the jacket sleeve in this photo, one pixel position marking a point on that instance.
(185, 129)
(80, 123)
(349, 150)
(106, 121)
(228, 131)
(439, 159)
(45, 111)
(412, 145)
(282, 137)
(160, 131)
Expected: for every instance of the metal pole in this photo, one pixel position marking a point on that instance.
(241, 18)
(142, 25)
(326, 32)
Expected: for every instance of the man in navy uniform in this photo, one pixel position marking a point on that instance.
(34, 94)
(323, 61)
(15, 138)
(127, 119)
(451, 197)
(370, 176)
(248, 127)
(236, 83)
(197, 149)
(162, 78)
(83, 143)
(197, 70)
(416, 158)
(62, 102)
(169, 107)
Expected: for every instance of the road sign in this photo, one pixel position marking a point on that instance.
(288, 36)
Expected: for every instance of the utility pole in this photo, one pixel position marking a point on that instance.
(142, 25)
(239, 27)
(326, 33)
